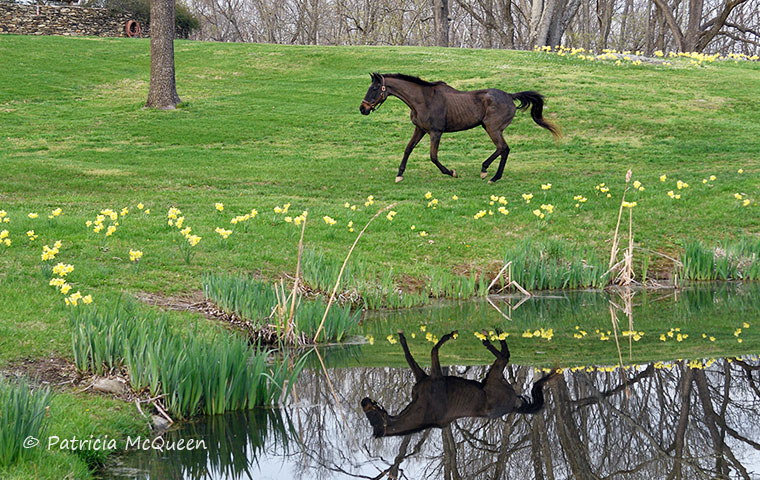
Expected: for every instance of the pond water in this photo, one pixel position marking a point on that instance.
(663, 417)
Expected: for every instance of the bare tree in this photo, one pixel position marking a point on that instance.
(698, 32)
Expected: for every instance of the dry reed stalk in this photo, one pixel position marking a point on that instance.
(332, 390)
(498, 276)
(498, 309)
(614, 250)
(343, 267)
(620, 353)
(510, 282)
(291, 324)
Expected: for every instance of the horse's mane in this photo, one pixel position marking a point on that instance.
(410, 78)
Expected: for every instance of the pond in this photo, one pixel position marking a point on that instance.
(675, 409)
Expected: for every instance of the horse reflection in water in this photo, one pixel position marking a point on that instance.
(438, 399)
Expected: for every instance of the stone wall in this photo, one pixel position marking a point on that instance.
(70, 21)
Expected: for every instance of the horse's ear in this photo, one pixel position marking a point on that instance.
(374, 76)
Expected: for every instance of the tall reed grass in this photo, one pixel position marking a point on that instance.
(255, 301)
(23, 411)
(195, 374)
(554, 265)
(727, 260)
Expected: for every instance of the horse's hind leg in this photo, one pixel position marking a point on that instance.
(501, 149)
(435, 139)
(416, 137)
(419, 373)
(436, 364)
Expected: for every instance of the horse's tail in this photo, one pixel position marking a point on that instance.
(536, 403)
(536, 111)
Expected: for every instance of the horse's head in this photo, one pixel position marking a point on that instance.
(377, 416)
(376, 94)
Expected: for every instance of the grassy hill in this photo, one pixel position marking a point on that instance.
(262, 126)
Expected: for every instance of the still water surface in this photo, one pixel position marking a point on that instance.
(657, 419)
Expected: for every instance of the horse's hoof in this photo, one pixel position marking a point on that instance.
(490, 182)
(399, 178)
(483, 175)
(454, 174)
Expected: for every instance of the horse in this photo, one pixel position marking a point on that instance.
(437, 108)
(438, 399)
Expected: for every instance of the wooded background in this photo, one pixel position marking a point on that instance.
(712, 26)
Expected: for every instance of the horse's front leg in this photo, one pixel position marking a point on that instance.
(435, 139)
(416, 137)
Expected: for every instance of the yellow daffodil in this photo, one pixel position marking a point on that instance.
(223, 233)
(663, 178)
(454, 197)
(219, 206)
(546, 186)
(63, 269)
(33, 215)
(423, 233)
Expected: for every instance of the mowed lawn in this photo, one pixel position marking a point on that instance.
(266, 125)
(263, 126)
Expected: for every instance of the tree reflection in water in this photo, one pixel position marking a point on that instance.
(672, 422)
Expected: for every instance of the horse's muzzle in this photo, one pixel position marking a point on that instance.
(365, 108)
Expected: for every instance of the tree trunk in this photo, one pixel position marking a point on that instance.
(163, 88)
(441, 22)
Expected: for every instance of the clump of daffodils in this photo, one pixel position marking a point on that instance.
(283, 209)
(390, 215)
(480, 214)
(674, 195)
(329, 220)
(31, 235)
(527, 197)
(4, 239)
(63, 269)
(4, 217)
(579, 199)
(50, 253)
(370, 201)
(56, 213)
(219, 206)
(546, 186)
(301, 218)
(223, 233)
(135, 255)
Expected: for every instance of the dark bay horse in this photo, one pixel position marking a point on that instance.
(438, 399)
(438, 108)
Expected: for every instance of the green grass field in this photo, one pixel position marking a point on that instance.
(262, 126)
